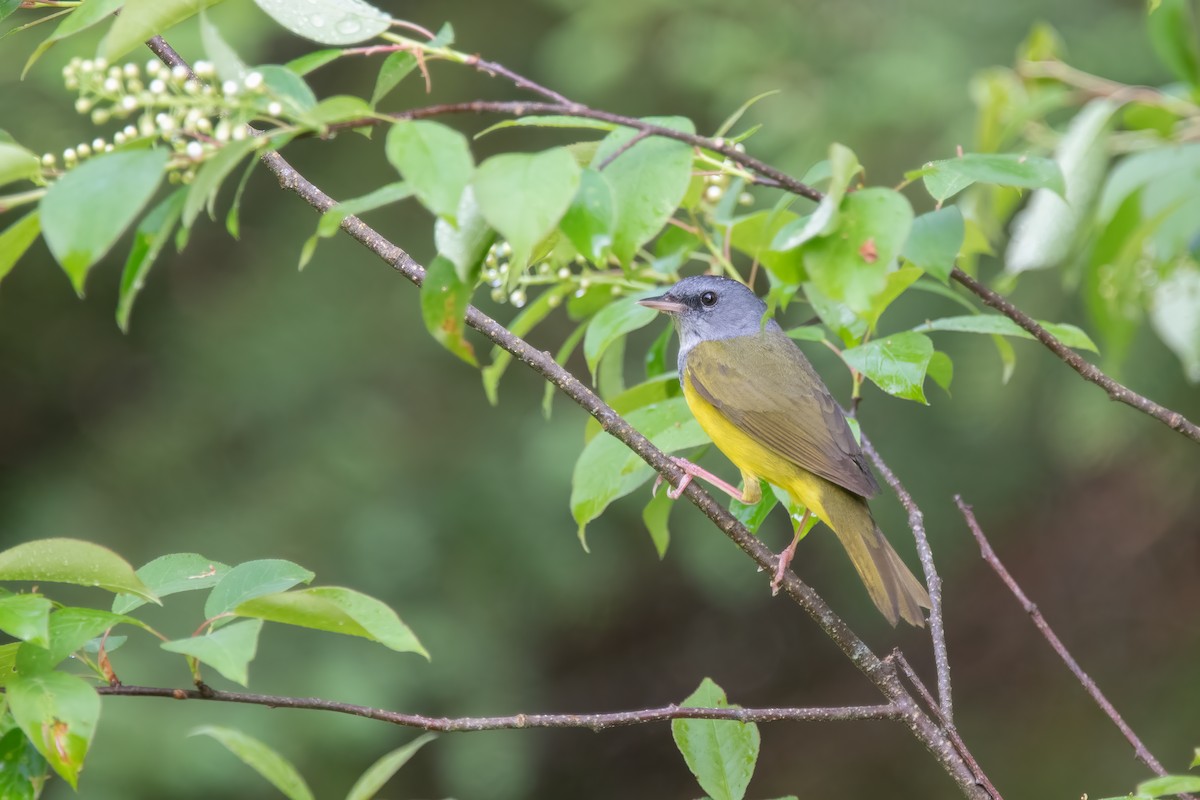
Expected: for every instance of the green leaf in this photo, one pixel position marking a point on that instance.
(8, 662)
(467, 240)
(1175, 315)
(204, 187)
(26, 617)
(434, 159)
(755, 514)
(1069, 335)
(72, 561)
(733, 118)
(68, 631)
(262, 759)
(1195, 759)
(944, 179)
(7, 7)
(522, 324)
(1172, 28)
(654, 516)
(657, 362)
(896, 363)
(171, 574)
(331, 221)
(58, 712)
(17, 163)
(610, 372)
(444, 301)
(339, 108)
(1044, 232)
(755, 235)
(229, 650)
(649, 180)
(86, 211)
(302, 65)
(941, 369)
(329, 21)
(934, 241)
(851, 264)
(822, 222)
(607, 469)
(849, 326)
(720, 753)
(1170, 785)
(143, 19)
(253, 579)
(589, 220)
(379, 773)
(612, 322)
(287, 87)
(23, 771)
(224, 58)
(524, 196)
(232, 224)
(337, 610)
(18, 238)
(83, 17)
(895, 284)
(152, 234)
(393, 70)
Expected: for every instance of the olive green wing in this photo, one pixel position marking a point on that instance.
(764, 385)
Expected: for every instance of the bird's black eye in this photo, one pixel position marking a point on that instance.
(709, 298)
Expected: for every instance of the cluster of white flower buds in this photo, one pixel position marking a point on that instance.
(716, 184)
(190, 110)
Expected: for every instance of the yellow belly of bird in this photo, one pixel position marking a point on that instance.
(754, 460)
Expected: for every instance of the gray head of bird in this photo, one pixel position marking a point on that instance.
(707, 307)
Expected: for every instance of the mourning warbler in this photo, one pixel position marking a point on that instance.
(760, 401)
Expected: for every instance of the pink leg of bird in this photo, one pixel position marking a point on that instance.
(690, 470)
(789, 552)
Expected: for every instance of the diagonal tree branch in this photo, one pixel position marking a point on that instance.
(923, 728)
(1087, 370)
(989, 555)
(769, 176)
(595, 722)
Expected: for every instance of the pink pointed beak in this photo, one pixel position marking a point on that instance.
(664, 304)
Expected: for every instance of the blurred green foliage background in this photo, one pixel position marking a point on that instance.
(256, 412)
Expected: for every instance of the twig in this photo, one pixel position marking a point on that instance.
(933, 582)
(492, 69)
(518, 108)
(1089, 685)
(921, 726)
(773, 177)
(595, 722)
(1095, 86)
(629, 145)
(1088, 371)
(896, 657)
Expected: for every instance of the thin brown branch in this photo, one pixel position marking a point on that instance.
(1095, 86)
(629, 145)
(896, 657)
(595, 722)
(1088, 371)
(492, 69)
(989, 555)
(884, 678)
(770, 176)
(933, 582)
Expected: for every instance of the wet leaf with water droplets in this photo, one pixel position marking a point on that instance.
(328, 21)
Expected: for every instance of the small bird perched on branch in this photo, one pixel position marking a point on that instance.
(761, 402)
